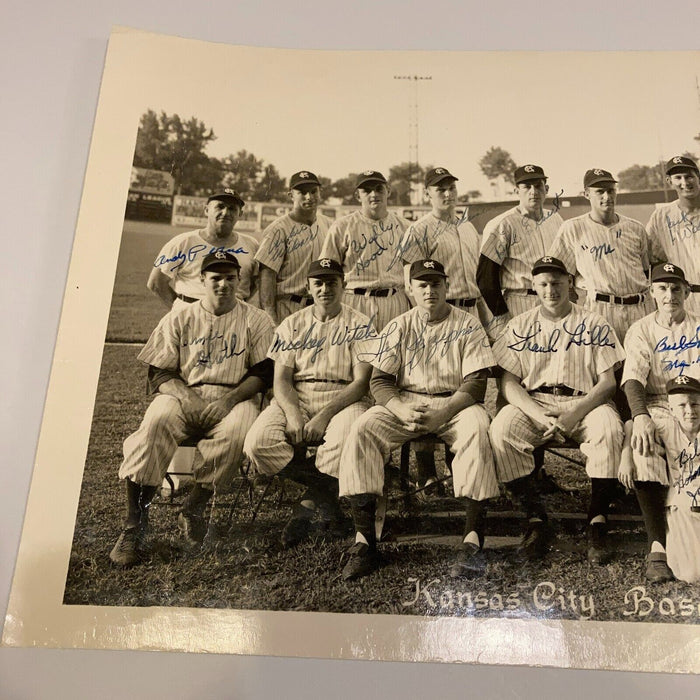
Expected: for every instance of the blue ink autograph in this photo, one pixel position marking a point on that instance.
(283, 243)
(382, 238)
(597, 335)
(681, 345)
(216, 348)
(682, 228)
(688, 471)
(191, 255)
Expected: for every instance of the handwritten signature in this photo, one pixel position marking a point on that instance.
(216, 347)
(597, 335)
(283, 243)
(688, 471)
(191, 255)
(681, 345)
(682, 228)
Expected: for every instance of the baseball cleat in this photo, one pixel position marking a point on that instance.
(470, 562)
(192, 527)
(126, 550)
(363, 561)
(297, 529)
(535, 542)
(658, 570)
(598, 546)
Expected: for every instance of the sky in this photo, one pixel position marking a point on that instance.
(339, 112)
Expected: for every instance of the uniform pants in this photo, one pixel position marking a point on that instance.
(380, 310)
(379, 431)
(514, 436)
(148, 451)
(619, 316)
(269, 449)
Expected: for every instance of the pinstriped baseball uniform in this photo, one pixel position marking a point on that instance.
(426, 358)
(609, 260)
(370, 252)
(515, 241)
(573, 351)
(315, 350)
(181, 257)
(675, 238)
(287, 247)
(212, 354)
(654, 356)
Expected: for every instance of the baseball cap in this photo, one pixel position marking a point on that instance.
(325, 267)
(369, 176)
(525, 173)
(666, 272)
(303, 177)
(435, 175)
(683, 384)
(679, 163)
(427, 268)
(597, 176)
(220, 258)
(227, 195)
(549, 264)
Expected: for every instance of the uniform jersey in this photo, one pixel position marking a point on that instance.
(370, 251)
(431, 357)
(287, 247)
(608, 259)
(322, 349)
(454, 244)
(209, 349)
(573, 351)
(656, 354)
(675, 238)
(181, 257)
(515, 241)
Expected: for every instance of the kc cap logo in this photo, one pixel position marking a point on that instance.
(304, 174)
(220, 255)
(598, 171)
(368, 172)
(228, 190)
(669, 268)
(529, 168)
(325, 262)
(429, 263)
(546, 259)
(682, 379)
(678, 160)
(440, 171)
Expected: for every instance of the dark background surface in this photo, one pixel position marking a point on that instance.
(52, 55)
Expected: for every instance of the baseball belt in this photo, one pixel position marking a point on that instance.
(558, 390)
(633, 299)
(184, 297)
(528, 292)
(373, 292)
(321, 381)
(462, 303)
(426, 393)
(299, 299)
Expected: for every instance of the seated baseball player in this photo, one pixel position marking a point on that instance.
(430, 368)
(681, 438)
(659, 347)
(558, 362)
(321, 388)
(207, 365)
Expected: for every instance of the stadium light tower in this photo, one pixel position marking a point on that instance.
(412, 124)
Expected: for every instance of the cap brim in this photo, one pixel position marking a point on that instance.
(227, 198)
(548, 268)
(325, 273)
(530, 178)
(431, 273)
(438, 180)
(226, 263)
(681, 168)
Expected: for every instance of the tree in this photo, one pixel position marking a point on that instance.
(641, 177)
(252, 178)
(166, 142)
(402, 177)
(344, 189)
(497, 163)
(326, 187)
(467, 197)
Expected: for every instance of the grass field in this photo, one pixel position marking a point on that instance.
(247, 569)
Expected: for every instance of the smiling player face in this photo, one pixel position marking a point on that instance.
(373, 198)
(327, 292)
(686, 183)
(686, 410)
(552, 290)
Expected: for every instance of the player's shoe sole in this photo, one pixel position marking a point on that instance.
(362, 561)
(470, 562)
(126, 550)
(658, 570)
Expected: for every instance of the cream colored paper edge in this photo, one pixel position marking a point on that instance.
(36, 616)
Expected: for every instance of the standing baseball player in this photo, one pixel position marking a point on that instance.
(444, 236)
(558, 363)
(430, 368)
(511, 244)
(368, 245)
(661, 346)
(288, 246)
(682, 442)
(321, 388)
(608, 254)
(674, 229)
(207, 364)
(175, 277)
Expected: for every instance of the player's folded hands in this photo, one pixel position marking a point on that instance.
(643, 435)
(315, 429)
(295, 428)
(215, 412)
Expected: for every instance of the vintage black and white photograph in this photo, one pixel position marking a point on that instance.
(406, 336)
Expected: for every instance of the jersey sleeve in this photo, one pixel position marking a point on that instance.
(334, 244)
(656, 250)
(506, 357)
(163, 347)
(562, 247)
(477, 352)
(638, 361)
(282, 338)
(609, 353)
(261, 331)
(496, 241)
(273, 247)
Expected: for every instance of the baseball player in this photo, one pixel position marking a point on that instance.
(674, 229)
(609, 255)
(207, 363)
(659, 347)
(511, 244)
(368, 245)
(288, 245)
(430, 368)
(443, 236)
(320, 388)
(558, 363)
(175, 277)
(682, 442)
